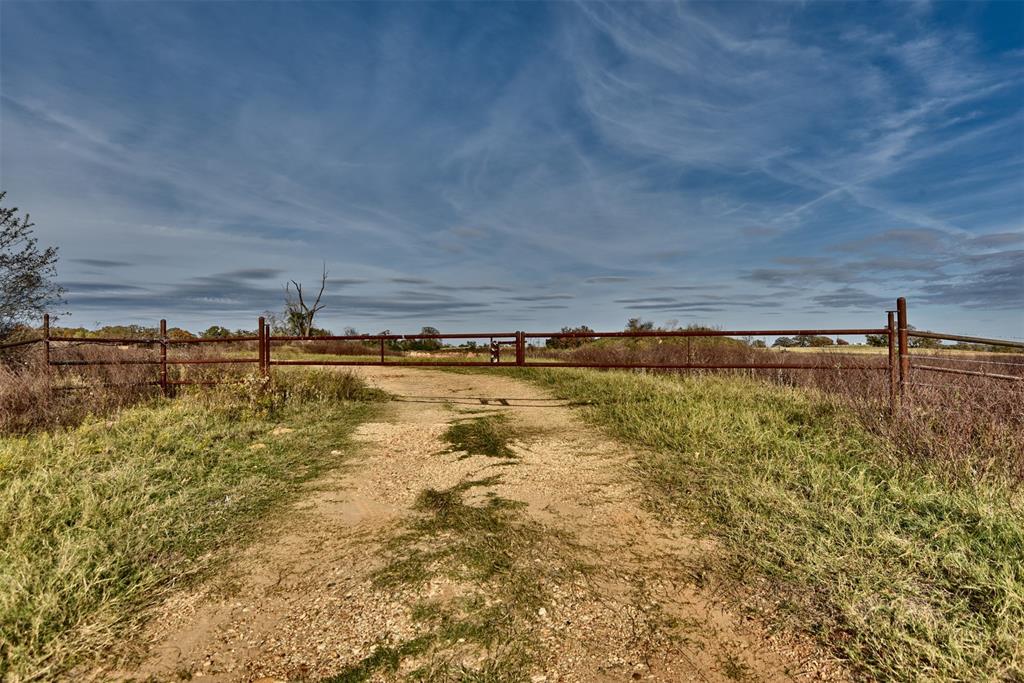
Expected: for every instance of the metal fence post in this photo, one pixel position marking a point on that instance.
(260, 341)
(520, 348)
(163, 356)
(893, 376)
(904, 350)
(46, 345)
(266, 350)
(382, 350)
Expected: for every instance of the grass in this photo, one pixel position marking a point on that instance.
(901, 572)
(485, 544)
(99, 521)
(486, 435)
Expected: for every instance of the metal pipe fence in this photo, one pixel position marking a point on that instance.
(898, 363)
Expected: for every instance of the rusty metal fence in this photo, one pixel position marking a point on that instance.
(897, 368)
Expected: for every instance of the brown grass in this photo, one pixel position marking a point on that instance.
(969, 426)
(33, 396)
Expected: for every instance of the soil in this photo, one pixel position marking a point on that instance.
(301, 605)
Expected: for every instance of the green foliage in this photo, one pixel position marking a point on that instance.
(812, 340)
(570, 342)
(638, 325)
(215, 332)
(28, 274)
(877, 339)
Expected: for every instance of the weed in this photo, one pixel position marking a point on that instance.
(486, 435)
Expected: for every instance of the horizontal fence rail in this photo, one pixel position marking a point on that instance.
(897, 364)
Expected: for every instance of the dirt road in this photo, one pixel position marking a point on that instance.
(588, 586)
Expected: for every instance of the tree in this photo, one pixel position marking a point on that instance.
(27, 286)
(638, 325)
(877, 339)
(758, 344)
(809, 340)
(785, 342)
(298, 315)
(422, 344)
(570, 342)
(215, 332)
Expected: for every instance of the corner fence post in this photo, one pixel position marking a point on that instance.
(46, 345)
(893, 370)
(520, 348)
(163, 356)
(260, 341)
(904, 350)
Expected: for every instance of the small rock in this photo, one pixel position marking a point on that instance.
(538, 678)
(257, 446)
(282, 430)
(542, 612)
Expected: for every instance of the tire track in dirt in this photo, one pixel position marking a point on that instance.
(302, 604)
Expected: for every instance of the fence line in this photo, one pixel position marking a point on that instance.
(897, 331)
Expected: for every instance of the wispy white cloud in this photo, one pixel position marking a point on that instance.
(448, 155)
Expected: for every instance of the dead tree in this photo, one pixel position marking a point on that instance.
(300, 315)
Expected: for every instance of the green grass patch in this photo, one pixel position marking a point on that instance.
(487, 545)
(100, 521)
(486, 435)
(903, 573)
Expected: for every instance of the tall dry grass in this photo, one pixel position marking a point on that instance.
(36, 396)
(962, 425)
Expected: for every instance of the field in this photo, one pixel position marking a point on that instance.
(507, 524)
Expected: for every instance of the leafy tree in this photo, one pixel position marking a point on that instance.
(570, 342)
(215, 332)
(924, 343)
(638, 325)
(179, 333)
(842, 342)
(758, 344)
(422, 344)
(785, 342)
(809, 340)
(27, 286)
(877, 339)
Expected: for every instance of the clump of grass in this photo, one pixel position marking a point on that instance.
(900, 571)
(99, 521)
(489, 545)
(486, 435)
(474, 542)
(323, 386)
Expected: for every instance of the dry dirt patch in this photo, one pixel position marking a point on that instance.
(611, 594)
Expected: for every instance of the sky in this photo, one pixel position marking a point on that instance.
(501, 166)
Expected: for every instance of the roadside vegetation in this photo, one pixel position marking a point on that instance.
(900, 558)
(101, 519)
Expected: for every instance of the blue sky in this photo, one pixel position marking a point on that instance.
(477, 166)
